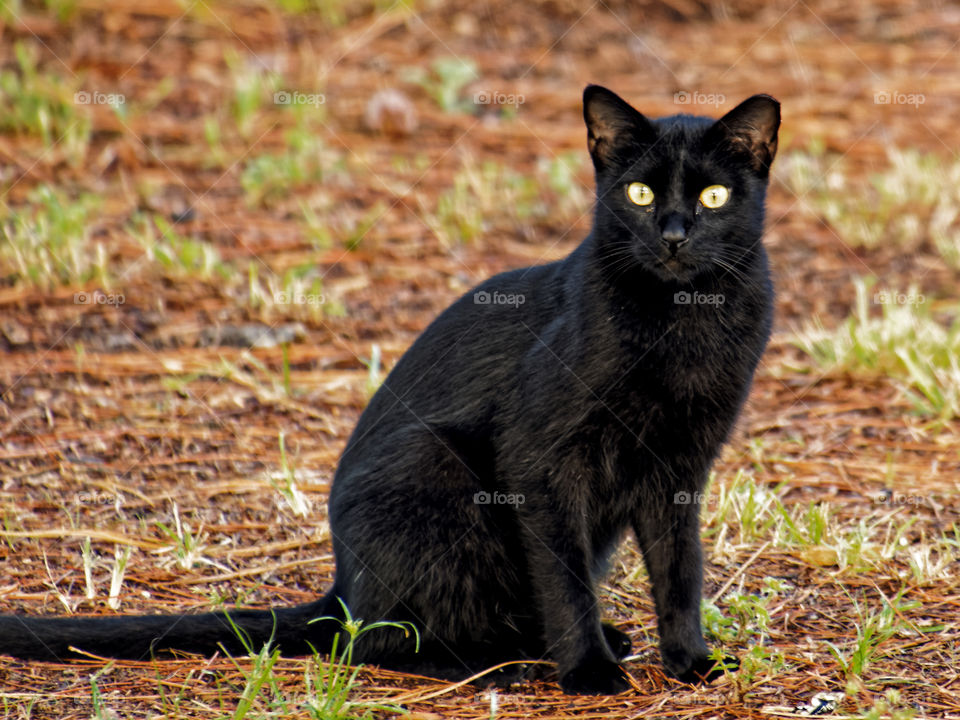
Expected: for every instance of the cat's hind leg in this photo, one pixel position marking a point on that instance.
(419, 539)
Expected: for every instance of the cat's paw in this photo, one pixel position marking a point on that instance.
(595, 677)
(617, 640)
(696, 667)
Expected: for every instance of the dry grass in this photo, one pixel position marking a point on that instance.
(195, 283)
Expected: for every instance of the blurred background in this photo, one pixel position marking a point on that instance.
(221, 223)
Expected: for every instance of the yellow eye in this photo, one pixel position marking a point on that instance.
(714, 196)
(639, 193)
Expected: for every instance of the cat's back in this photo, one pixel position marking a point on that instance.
(467, 360)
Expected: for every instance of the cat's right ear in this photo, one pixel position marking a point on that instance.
(613, 126)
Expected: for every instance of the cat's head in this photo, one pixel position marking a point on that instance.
(681, 195)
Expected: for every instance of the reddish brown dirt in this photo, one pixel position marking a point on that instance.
(112, 415)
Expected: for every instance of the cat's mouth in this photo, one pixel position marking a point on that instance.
(673, 266)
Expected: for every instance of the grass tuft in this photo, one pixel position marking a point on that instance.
(42, 105)
(873, 630)
(905, 342)
(912, 203)
(178, 256)
(49, 242)
(269, 178)
(444, 82)
(490, 194)
(330, 688)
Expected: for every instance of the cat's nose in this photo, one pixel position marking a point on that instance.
(674, 234)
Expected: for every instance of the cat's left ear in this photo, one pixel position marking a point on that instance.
(751, 127)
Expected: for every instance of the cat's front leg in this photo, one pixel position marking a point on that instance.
(565, 597)
(668, 532)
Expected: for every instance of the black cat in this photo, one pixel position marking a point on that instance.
(535, 421)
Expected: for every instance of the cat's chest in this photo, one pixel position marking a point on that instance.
(691, 353)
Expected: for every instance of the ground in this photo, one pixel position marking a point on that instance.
(222, 223)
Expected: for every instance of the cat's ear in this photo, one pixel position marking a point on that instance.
(613, 126)
(751, 127)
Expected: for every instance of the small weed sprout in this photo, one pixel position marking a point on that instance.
(49, 242)
(333, 687)
(296, 294)
(186, 547)
(445, 81)
(482, 194)
(272, 178)
(42, 105)
(86, 552)
(252, 85)
(121, 558)
(750, 621)
(100, 709)
(328, 686)
(873, 630)
(374, 371)
(177, 255)
(287, 484)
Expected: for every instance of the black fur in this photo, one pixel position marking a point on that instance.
(583, 399)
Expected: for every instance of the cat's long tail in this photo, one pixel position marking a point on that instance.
(141, 636)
